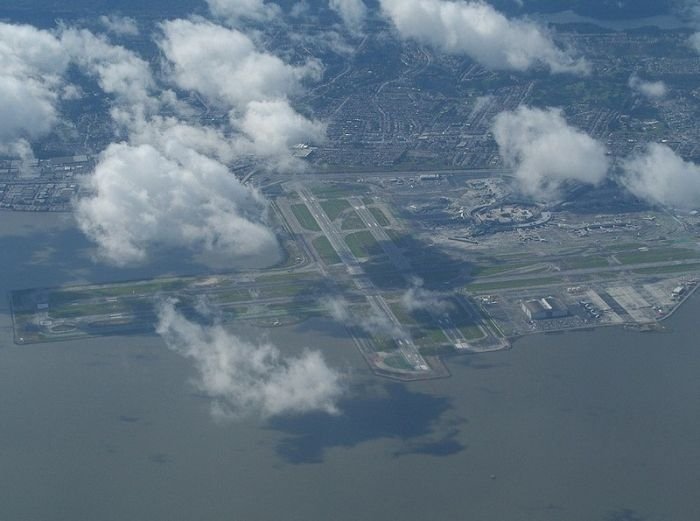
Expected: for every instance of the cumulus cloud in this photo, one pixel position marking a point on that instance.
(167, 185)
(120, 25)
(417, 298)
(225, 67)
(352, 12)
(247, 379)
(22, 150)
(159, 191)
(695, 41)
(648, 89)
(175, 138)
(661, 176)
(118, 71)
(271, 127)
(376, 323)
(235, 11)
(690, 9)
(545, 151)
(300, 9)
(32, 63)
(478, 30)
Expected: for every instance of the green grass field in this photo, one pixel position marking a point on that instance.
(325, 250)
(680, 268)
(513, 284)
(657, 255)
(338, 190)
(429, 337)
(379, 216)
(402, 314)
(583, 262)
(334, 207)
(495, 269)
(352, 221)
(303, 215)
(286, 277)
(62, 296)
(398, 362)
(234, 295)
(363, 244)
(472, 332)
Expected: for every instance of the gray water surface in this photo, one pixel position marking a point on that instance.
(589, 426)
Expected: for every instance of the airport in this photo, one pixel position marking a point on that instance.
(488, 268)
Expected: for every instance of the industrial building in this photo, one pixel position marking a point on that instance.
(544, 308)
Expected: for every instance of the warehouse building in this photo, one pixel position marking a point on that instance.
(544, 308)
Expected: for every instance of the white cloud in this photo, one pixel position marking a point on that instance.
(690, 9)
(246, 379)
(32, 63)
(325, 40)
(661, 176)
(300, 9)
(234, 11)
(22, 150)
(225, 66)
(271, 127)
(376, 322)
(417, 298)
(168, 185)
(649, 89)
(120, 25)
(352, 12)
(476, 29)
(695, 41)
(160, 191)
(176, 138)
(119, 71)
(545, 151)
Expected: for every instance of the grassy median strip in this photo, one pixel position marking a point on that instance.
(334, 207)
(325, 250)
(379, 216)
(363, 244)
(303, 215)
(510, 284)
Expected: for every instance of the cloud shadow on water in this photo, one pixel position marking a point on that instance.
(625, 514)
(445, 446)
(396, 413)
